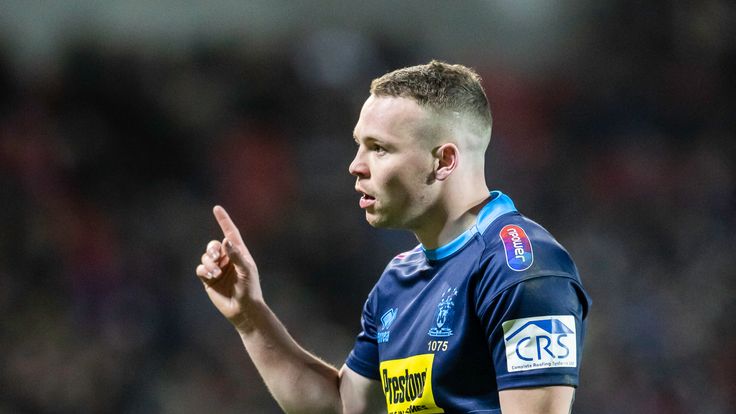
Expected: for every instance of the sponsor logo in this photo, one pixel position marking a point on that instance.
(386, 320)
(445, 315)
(540, 342)
(518, 247)
(407, 385)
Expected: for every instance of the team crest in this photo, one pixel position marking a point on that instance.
(445, 314)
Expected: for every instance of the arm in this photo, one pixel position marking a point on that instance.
(541, 400)
(360, 394)
(299, 381)
(555, 304)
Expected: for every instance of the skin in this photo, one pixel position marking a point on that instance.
(394, 165)
(424, 177)
(411, 160)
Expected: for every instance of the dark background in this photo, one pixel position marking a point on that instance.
(123, 123)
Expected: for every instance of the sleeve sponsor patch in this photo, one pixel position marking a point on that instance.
(517, 246)
(540, 342)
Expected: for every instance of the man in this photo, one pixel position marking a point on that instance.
(485, 315)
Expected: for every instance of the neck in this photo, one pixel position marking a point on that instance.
(454, 214)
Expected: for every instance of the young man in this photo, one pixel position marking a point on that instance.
(486, 315)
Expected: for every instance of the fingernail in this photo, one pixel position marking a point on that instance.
(209, 274)
(213, 253)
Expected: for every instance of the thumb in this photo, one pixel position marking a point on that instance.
(235, 255)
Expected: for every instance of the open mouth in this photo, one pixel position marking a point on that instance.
(366, 200)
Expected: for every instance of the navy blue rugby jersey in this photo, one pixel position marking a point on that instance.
(499, 307)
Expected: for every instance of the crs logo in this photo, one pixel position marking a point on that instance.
(540, 342)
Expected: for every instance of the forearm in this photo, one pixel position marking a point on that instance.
(542, 400)
(299, 381)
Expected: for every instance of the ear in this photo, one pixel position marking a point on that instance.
(446, 160)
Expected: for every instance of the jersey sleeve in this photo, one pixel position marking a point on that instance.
(363, 359)
(535, 330)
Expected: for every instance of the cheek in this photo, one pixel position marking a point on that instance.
(407, 183)
(404, 177)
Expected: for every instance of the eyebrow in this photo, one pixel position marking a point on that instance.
(368, 139)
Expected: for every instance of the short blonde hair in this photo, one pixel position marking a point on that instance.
(439, 86)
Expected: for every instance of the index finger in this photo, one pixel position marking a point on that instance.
(229, 229)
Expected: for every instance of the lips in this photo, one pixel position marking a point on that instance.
(366, 200)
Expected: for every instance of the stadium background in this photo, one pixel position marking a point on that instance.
(122, 123)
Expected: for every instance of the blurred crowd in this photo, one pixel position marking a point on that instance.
(112, 158)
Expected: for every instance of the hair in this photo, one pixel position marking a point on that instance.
(441, 87)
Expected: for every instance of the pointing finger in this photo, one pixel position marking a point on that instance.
(229, 229)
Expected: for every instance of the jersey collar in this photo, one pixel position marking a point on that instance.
(499, 205)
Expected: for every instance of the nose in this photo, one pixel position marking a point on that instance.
(358, 167)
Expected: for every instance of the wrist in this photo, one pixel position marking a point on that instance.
(246, 321)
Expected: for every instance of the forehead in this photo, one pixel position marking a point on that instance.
(388, 118)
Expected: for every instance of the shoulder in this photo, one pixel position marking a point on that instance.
(518, 249)
(401, 267)
(525, 268)
(410, 258)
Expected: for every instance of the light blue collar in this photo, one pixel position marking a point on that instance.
(499, 205)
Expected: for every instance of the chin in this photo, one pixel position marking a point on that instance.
(376, 221)
(383, 222)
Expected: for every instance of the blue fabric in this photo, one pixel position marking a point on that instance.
(499, 205)
(501, 306)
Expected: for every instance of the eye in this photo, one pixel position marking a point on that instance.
(379, 149)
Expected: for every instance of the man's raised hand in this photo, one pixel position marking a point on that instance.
(229, 273)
